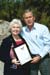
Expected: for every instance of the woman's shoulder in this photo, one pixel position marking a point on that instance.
(21, 37)
(7, 39)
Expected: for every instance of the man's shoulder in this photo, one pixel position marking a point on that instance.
(42, 26)
(23, 28)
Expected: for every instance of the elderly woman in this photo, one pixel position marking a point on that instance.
(12, 65)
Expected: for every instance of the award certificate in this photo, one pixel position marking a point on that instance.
(23, 54)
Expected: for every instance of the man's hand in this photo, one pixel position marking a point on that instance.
(36, 59)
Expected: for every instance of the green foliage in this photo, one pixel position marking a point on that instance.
(10, 9)
(45, 19)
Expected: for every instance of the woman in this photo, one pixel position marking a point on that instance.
(7, 55)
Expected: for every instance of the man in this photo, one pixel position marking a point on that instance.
(38, 40)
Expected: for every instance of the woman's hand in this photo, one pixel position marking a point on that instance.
(15, 61)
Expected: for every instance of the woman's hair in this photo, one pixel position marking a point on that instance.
(15, 21)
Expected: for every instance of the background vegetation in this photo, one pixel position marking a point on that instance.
(10, 9)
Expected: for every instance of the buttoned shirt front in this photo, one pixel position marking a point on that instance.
(37, 39)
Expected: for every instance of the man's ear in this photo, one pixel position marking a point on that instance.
(34, 18)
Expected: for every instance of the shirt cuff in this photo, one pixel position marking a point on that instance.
(44, 52)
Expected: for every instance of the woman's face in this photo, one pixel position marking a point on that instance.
(15, 29)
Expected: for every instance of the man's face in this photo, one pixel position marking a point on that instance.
(29, 18)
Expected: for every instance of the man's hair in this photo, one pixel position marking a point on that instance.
(26, 11)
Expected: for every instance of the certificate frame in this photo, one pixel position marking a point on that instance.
(23, 54)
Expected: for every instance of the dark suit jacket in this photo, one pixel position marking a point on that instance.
(5, 53)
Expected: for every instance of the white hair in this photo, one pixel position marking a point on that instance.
(15, 21)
